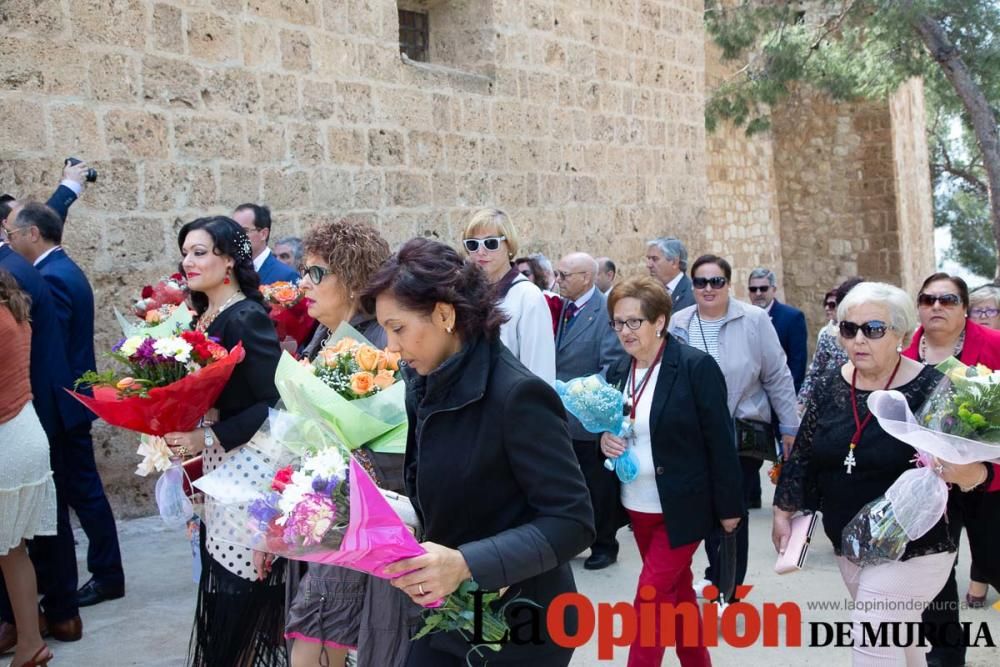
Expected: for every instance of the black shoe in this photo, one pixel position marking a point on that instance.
(599, 561)
(93, 593)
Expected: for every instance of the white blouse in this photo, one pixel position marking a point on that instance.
(641, 494)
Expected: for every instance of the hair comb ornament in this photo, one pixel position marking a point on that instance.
(244, 251)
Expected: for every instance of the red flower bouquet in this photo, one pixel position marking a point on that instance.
(289, 311)
(169, 383)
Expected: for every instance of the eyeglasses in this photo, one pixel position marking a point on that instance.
(491, 243)
(872, 330)
(946, 300)
(830, 304)
(563, 275)
(984, 312)
(316, 273)
(717, 282)
(753, 289)
(632, 323)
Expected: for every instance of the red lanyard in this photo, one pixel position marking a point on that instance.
(635, 395)
(859, 425)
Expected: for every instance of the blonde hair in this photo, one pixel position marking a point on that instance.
(493, 221)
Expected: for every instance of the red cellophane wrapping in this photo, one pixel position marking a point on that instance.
(179, 406)
(294, 321)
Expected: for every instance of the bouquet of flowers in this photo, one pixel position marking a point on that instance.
(958, 423)
(322, 507)
(601, 408)
(168, 383)
(289, 311)
(352, 388)
(161, 309)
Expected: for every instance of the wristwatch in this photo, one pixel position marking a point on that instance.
(209, 438)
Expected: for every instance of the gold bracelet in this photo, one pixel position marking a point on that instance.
(986, 474)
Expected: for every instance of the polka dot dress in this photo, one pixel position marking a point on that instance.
(221, 537)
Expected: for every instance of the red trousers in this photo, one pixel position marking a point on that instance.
(668, 570)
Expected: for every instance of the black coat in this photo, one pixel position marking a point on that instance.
(694, 444)
(490, 470)
(244, 402)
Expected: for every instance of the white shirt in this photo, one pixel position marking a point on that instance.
(582, 301)
(259, 260)
(672, 285)
(72, 185)
(46, 253)
(641, 494)
(528, 332)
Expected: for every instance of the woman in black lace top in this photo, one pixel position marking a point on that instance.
(842, 460)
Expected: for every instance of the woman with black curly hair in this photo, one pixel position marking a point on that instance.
(240, 614)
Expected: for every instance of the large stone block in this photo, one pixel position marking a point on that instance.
(22, 127)
(369, 189)
(386, 147)
(75, 131)
(231, 89)
(238, 183)
(346, 146)
(260, 45)
(319, 100)
(303, 12)
(36, 17)
(168, 29)
(279, 93)
(335, 56)
(209, 138)
(296, 53)
(114, 77)
(266, 141)
(305, 143)
(333, 189)
(134, 241)
(213, 38)
(120, 23)
(407, 189)
(286, 188)
(35, 65)
(356, 103)
(169, 186)
(170, 82)
(117, 186)
(131, 133)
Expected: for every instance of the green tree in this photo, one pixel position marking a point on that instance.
(857, 49)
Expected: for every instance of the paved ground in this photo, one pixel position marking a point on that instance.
(150, 625)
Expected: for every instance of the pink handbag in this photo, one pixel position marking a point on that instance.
(794, 557)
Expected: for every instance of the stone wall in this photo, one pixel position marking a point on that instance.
(586, 124)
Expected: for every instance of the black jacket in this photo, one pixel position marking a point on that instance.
(694, 444)
(490, 470)
(244, 402)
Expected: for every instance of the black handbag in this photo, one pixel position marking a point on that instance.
(755, 439)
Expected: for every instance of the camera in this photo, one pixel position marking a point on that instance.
(91, 173)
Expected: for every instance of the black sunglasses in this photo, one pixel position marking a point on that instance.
(492, 243)
(717, 282)
(872, 330)
(946, 300)
(316, 273)
(830, 304)
(754, 290)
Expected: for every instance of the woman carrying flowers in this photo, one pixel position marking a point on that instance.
(240, 612)
(490, 468)
(843, 459)
(334, 608)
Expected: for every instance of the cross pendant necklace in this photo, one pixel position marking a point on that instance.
(849, 461)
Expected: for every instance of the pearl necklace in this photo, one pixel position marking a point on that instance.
(205, 321)
(957, 350)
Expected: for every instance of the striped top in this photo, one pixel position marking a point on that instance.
(704, 335)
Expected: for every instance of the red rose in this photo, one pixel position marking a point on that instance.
(147, 292)
(281, 479)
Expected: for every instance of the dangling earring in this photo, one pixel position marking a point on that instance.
(226, 281)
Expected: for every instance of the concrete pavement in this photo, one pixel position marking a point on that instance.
(151, 625)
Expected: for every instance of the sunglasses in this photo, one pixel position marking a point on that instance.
(316, 273)
(946, 300)
(717, 282)
(984, 312)
(492, 243)
(830, 304)
(872, 330)
(632, 323)
(754, 290)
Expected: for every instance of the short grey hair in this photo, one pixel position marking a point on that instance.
(761, 272)
(296, 245)
(902, 313)
(984, 294)
(672, 249)
(543, 261)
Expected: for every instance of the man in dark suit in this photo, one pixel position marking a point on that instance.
(35, 234)
(790, 323)
(256, 222)
(54, 557)
(585, 345)
(666, 259)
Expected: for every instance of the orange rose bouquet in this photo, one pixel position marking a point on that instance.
(352, 387)
(289, 310)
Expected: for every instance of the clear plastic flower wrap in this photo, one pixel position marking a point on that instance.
(598, 405)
